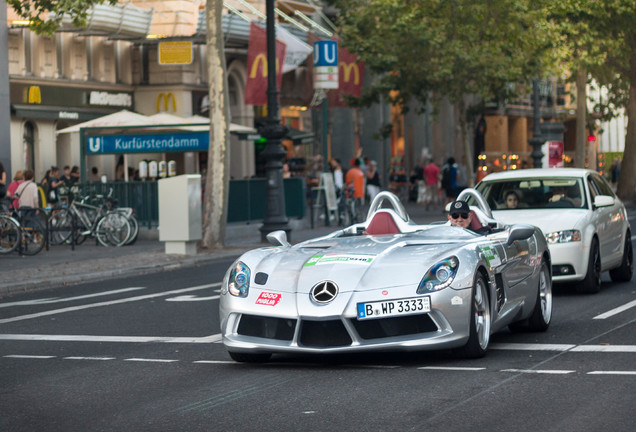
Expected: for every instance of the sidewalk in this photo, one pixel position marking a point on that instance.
(61, 265)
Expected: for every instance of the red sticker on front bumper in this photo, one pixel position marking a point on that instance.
(268, 299)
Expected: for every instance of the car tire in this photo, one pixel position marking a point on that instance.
(480, 321)
(592, 282)
(249, 357)
(625, 271)
(541, 316)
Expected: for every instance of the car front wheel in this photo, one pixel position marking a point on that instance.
(592, 282)
(625, 271)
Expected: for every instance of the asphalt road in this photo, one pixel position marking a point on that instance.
(143, 354)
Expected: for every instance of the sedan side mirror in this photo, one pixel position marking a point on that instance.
(278, 238)
(520, 232)
(603, 201)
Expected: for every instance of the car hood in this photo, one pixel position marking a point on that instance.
(354, 263)
(548, 220)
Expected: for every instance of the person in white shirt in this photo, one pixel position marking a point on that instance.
(28, 191)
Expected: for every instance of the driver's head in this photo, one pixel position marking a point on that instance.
(459, 214)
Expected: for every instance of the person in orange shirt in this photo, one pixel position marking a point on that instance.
(355, 179)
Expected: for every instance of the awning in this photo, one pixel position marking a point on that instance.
(300, 137)
(131, 119)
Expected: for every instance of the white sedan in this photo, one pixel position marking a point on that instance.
(584, 222)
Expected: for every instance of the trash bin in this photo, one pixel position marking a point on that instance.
(180, 217)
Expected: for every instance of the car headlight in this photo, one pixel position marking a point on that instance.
(566, 236)
(439, 276)
(238, 283)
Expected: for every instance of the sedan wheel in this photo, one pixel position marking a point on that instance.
(625, 271)
(479, 337)
(592, 282)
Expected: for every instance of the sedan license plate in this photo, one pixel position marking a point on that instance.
(389, 308)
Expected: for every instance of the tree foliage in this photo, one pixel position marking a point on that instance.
(445, 48)
(38, 12)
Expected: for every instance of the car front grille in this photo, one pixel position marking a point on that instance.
(392, 327)
(333, 333)
(267, 327)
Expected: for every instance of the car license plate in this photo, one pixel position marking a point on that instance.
(389, 308)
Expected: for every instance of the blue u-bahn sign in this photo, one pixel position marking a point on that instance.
(157, 143)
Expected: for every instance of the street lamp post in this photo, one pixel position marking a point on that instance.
(274, 153)
(536, 141)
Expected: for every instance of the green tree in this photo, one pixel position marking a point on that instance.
(217, 177)
(430, 49)
(614, 23)
(38, 12)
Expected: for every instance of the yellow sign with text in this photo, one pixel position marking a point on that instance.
(175, 53)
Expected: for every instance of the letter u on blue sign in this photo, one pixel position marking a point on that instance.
(326, 53)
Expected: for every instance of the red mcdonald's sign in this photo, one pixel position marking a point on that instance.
(350, 74)
(256, 84)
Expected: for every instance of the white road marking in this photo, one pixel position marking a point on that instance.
(90, 338)
(605, 348)
(612, 373)
(107, 303)
(215, 362)
(449, 368)
(58, 300)
(190, 298)
(531, 347)
(537, 371)
(151, 360)
(616, 310)
(90, 358)
(21, 356)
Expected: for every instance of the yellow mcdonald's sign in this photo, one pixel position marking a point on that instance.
(347, 68)
(262, 60)
(165, 98)
(34, 97)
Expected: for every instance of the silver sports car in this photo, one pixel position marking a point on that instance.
(387, 284)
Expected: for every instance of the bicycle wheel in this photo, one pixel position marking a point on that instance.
(9, 234)
(61, 223)
(113, 229)
(33, 236)
(134, 230)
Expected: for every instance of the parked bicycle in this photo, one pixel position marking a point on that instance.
(23, 229)
(81, 219)
(350, 208)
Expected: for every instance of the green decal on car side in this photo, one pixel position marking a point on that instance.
(491, 256)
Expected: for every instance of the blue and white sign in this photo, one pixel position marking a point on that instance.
(326, 64)
(159, 143)
(326, 53)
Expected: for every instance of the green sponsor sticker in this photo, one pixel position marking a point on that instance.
(491, 256)
(336, 258)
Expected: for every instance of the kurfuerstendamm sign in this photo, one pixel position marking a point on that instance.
(159, 143)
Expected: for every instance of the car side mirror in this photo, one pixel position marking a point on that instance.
(278, 238)
(603, 201)
(519, 232)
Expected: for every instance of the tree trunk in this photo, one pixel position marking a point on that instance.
(217, 176)
(627, 178)
(465, 134)
(581, 110)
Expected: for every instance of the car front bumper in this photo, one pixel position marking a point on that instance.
(250, 329)
(569, 261)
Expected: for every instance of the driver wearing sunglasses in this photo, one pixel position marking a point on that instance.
(460, 216)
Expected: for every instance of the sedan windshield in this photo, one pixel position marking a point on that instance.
(534, 193)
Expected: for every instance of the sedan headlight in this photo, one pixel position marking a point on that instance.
(238, 283)
(439, 276)
(566, 236)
